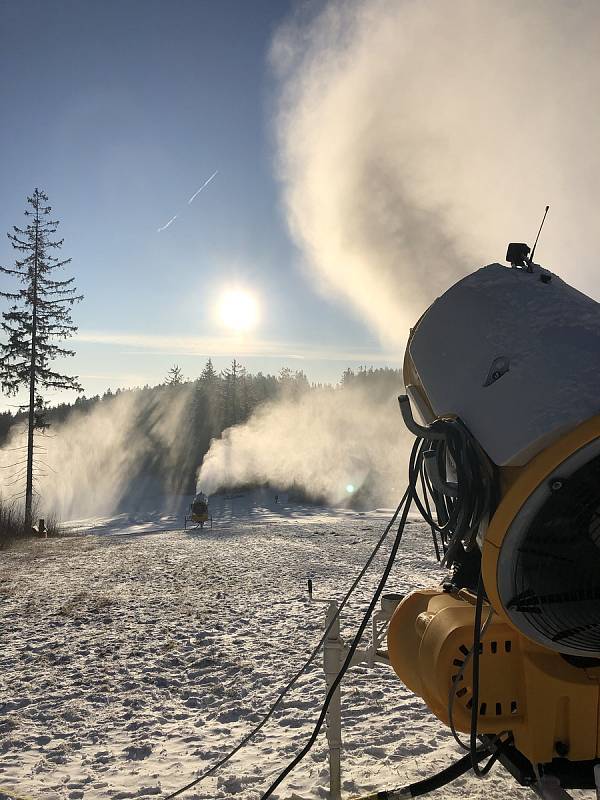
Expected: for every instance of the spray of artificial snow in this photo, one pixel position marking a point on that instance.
(335, 445)
(415, 140)
(91, 463)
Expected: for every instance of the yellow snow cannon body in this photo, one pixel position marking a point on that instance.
(514, 355)
(199, 512)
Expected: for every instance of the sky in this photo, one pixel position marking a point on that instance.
(348, 175)
(121, 112)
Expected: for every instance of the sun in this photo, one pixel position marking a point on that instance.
(238, 310)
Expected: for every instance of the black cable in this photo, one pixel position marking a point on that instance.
(242, 743)
(497, 740)
(437, 781)
(409, 495)
(460, 506)
(454, 687)
(424, 490)
(462, 517)
(480, 772)
(459, 514)
(446, 776)
(431, 784)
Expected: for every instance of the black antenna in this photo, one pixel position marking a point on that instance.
(538, 236)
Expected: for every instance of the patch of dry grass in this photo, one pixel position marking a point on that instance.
(85, 603)
(13, 528)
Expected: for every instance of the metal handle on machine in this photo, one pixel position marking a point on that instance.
(422, 431)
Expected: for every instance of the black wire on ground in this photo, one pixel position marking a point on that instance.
(293, 680)
(460, 509)
(431, 784)
(446, 776)
(408, 497)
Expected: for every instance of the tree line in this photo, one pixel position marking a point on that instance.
(212, 402)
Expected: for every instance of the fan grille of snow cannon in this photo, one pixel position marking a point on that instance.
(549, 565)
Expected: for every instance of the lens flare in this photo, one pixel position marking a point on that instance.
(350, 488)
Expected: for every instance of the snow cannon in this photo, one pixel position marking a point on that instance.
(199, 513)
(502, 377)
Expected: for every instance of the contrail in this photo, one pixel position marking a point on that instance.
(191, 200)
(170, 222)
(204, 185)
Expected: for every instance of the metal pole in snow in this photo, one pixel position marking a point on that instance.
(332, 661)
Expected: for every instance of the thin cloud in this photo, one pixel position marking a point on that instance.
(170, 222)
(204, 185)
(157, 344)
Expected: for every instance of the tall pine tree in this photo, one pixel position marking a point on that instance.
(38, 319)
(174, 376)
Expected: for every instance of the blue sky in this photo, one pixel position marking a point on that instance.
(120, 111)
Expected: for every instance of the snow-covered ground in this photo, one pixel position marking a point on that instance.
(135, 654)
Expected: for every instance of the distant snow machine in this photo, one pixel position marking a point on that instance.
(199, 513)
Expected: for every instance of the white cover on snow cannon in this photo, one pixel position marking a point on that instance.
(514, 354)
(200, 504)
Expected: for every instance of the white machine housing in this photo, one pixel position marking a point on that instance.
(514, 354)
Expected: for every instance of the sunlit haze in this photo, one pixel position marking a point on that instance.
(238, 310)
(155, 147)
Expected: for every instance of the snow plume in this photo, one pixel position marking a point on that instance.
(415, 139)
(109, 457)
(418, 137)
(332, 445)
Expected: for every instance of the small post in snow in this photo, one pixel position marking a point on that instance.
(332, 661)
